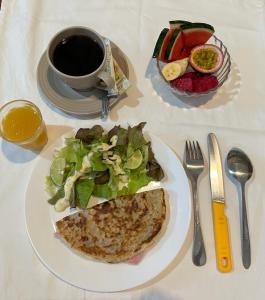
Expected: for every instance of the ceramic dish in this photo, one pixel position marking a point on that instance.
(81, 103)
(98, 276)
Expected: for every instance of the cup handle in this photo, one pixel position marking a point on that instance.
(107, 79)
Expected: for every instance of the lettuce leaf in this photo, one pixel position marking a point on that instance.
(154, 170)
(135, 136)
(121, 133)
(59, 194)
(73, 152)
(101, 180)
(138, 180)
(87, 135)
(101, 177)
(97, 163)
(84, 188)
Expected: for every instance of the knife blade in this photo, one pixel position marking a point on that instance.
(220, 222)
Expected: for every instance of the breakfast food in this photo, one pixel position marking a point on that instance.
(175, 47)
(175, 69)
(195, 34)
(161, 44)
(177, 41)
(181, 49)
(206, 58)
(183, 84)
(204, 83)
(101, 164)
(175, 24)
(171, 71)
(195, 82)
(117, 230)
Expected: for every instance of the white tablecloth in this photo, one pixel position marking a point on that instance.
(236, 113)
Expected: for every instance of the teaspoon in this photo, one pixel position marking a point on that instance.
(240, 170)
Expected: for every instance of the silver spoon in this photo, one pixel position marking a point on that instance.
(105, 106)
(240, 169)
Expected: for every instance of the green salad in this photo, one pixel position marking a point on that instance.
(101, 164)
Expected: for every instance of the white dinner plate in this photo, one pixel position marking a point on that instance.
(97, 276)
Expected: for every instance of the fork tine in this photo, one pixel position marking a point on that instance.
(186, 150)
(190, 151)
(194, 150)
(199, 152)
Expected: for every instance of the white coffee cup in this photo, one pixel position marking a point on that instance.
(88, 80)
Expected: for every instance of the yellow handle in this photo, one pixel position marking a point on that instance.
(221, 234)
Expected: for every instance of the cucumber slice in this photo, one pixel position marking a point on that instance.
(171, 71)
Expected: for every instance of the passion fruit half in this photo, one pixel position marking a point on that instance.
(206, 58)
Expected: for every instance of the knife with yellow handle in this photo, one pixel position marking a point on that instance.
(220, 222)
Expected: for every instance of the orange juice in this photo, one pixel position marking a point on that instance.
(22, 124)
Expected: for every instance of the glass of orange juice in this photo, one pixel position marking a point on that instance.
(21, 123)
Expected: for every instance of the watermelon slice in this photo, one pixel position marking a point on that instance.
(162, 43)
(167, 40)
(195, 34)
(175, 24)
(159, 42)
(175, 49)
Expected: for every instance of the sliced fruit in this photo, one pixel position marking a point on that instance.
(175, 24)
(183, 64)
(204, 83)
(175, 48)
(184, 53)
(159, 42)
(134, 161)
(50, 187)
(57, 171)
(195, 34)
(182, 84)
(195, 82)
(167, 39)
(206, 58)
(191, 75)
(172, 71)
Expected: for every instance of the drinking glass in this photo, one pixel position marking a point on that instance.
(21, 123)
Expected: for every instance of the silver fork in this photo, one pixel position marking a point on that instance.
(194, 165)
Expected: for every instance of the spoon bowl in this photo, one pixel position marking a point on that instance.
(239, 165)
(240, 170)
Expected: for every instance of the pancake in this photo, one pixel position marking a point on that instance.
(116, 230)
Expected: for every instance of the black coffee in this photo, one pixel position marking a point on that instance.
(77, 55)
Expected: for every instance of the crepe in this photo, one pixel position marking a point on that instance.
(116, 230)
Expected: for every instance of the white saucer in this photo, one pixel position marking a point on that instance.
(82, 103)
